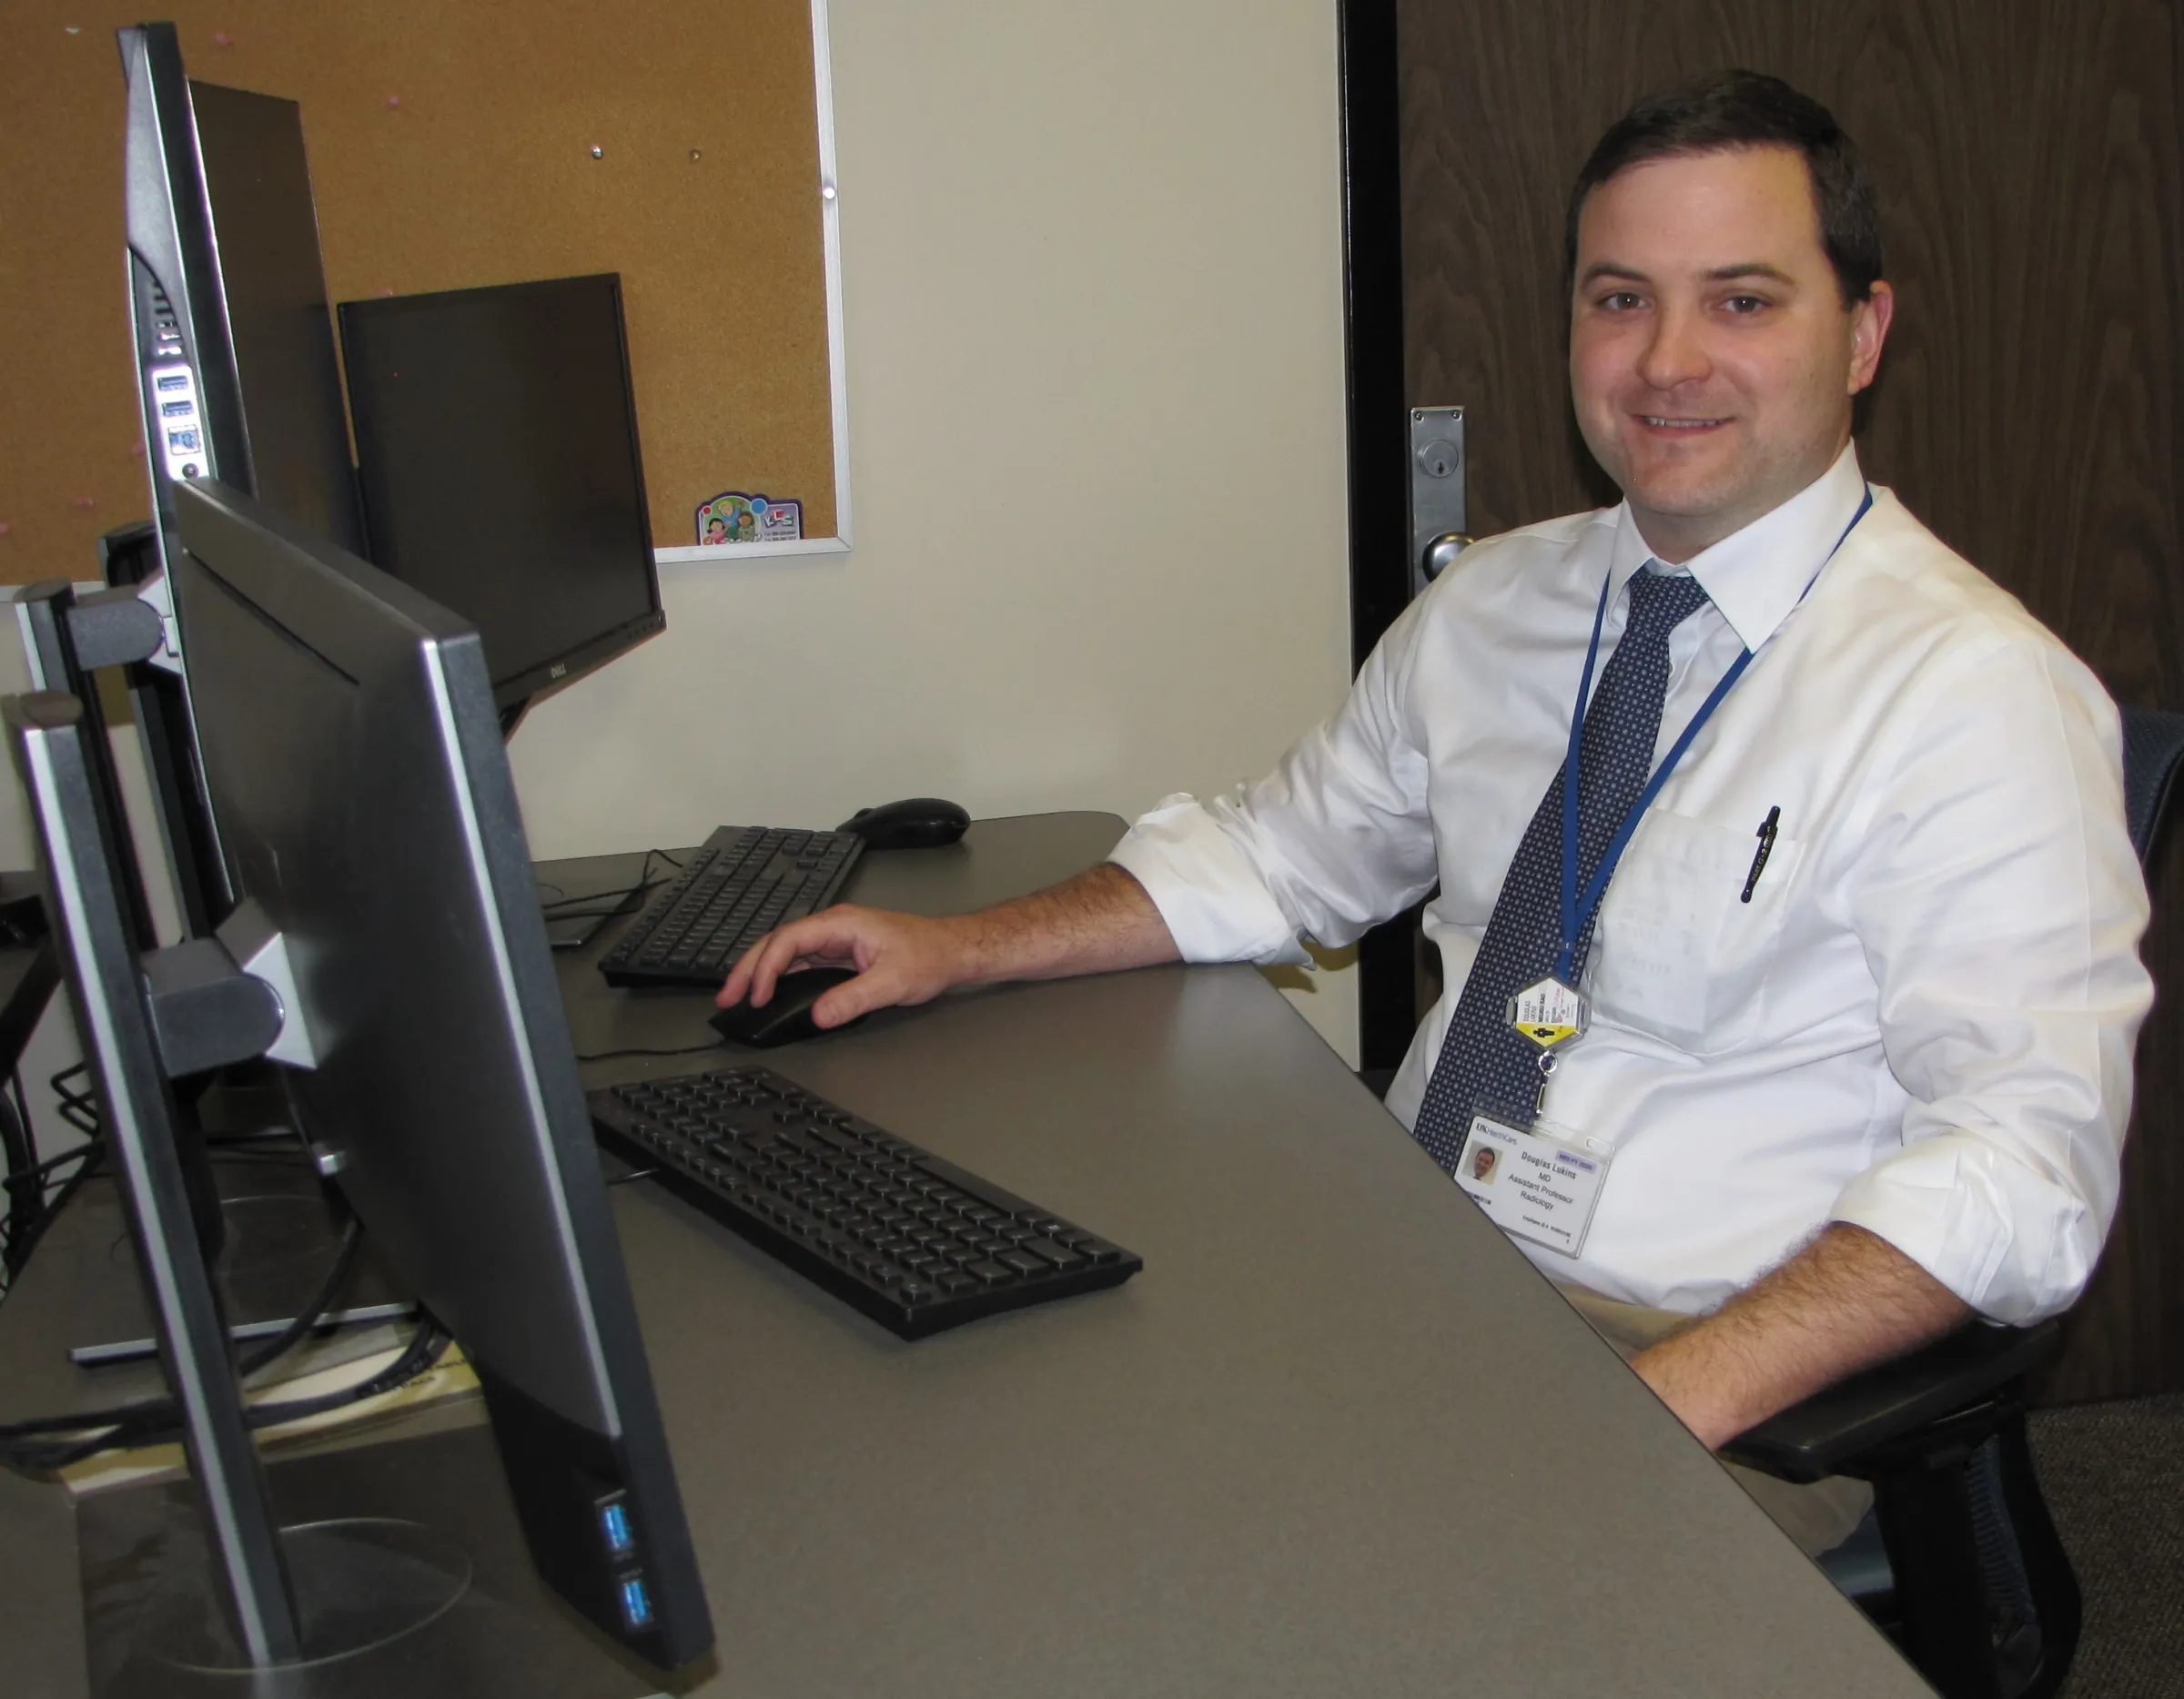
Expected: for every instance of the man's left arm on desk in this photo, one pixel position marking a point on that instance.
(1845, 1302)
(1995, 892)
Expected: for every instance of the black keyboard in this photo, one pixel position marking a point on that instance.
(744, 882)
(914, 1241)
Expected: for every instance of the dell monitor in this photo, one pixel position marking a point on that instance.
(235, 369)
(497, 452)
(360, 787)
(235, 344)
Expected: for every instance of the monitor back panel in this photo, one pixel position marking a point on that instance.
(355, 769)
(496, 447)
(280, 327)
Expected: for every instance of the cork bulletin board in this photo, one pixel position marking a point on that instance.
(452, 143)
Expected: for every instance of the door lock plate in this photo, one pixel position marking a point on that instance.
(1439, 524)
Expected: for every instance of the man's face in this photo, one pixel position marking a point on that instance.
(1712, 360)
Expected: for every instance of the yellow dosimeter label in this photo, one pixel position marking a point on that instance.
(1549, 1012)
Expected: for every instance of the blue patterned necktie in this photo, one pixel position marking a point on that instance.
(1483, 1065)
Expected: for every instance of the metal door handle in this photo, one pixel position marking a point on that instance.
(1440, 552)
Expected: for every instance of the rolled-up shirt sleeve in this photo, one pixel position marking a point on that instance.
(2010, 989)
(1332, 841)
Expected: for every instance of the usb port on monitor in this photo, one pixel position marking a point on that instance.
(614, 1524)
(172, 380)
(636, 1602)
(177, 410)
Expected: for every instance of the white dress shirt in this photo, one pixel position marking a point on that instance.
(1923, 1020)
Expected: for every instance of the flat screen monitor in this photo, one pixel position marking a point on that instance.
(496, 452)
(236, 367)
(280, 327)
(353, 759)
(235, 338)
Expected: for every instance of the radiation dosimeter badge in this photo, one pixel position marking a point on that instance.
(1549, 1015)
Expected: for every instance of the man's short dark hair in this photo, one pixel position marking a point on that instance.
(1730, 109)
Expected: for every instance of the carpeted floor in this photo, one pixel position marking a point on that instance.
(2113, 1475)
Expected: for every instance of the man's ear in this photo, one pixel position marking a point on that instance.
(1869, 322)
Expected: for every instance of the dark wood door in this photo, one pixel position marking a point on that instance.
(2028, 158)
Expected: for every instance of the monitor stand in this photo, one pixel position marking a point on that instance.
(405, 1559)
(409, 1574)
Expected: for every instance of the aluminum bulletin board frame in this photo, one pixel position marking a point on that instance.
(837, 377)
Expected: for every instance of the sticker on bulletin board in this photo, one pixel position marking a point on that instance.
(734, 517)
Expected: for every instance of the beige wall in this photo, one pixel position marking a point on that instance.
(1092, 287)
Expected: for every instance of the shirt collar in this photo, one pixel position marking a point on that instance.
(1756, 575)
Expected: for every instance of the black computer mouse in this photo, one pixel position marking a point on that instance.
(914, 823)
(787, 1018)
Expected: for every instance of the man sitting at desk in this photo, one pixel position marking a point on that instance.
(1806, 1022)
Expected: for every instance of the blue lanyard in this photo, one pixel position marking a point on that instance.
(1578, 908)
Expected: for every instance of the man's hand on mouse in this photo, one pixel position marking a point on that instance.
(1099, 920)
(899, 958)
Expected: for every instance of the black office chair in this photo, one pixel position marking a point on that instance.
(1960, 1562)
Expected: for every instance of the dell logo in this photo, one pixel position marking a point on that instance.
(556, 669)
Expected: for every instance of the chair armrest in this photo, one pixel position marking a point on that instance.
(1839, 1424)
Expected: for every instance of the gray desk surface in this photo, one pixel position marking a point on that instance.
(1338, 1437)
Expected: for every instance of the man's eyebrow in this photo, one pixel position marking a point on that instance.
(1749, 268)
(1719, 274)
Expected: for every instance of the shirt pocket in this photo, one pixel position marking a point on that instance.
(1678, 952)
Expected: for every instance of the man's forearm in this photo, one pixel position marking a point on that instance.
(1098, 922)
(1845, 1302)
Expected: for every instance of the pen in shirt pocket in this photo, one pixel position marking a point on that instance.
(1766, 847)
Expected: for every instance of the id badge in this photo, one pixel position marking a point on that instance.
(1541, 1185)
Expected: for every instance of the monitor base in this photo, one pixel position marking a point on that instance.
(409, 1573)
(360, 1586)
